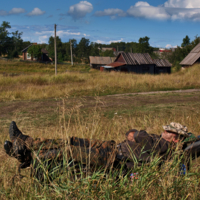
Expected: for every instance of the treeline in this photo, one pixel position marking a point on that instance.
(85, 48)
(11, 45)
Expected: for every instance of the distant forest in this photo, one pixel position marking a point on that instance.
(11, 45)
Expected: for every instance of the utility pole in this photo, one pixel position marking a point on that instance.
(117, 48)
(55, 49)
(71, 53)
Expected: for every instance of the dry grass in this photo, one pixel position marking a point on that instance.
(152, 183)
(97, 122)
(94, 83)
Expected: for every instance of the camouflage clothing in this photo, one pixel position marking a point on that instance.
(145, 147)
(177, 128)
(93, 153)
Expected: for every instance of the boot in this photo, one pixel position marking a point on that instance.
(14, 132)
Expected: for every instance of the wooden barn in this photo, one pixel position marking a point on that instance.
(98, 61)
(132, 62)
(192, 58)
(162, 66)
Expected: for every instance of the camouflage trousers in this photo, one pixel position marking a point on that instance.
(84, 151)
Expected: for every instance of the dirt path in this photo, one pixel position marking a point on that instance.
(47, 110)
(159, 92)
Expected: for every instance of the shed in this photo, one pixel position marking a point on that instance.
(133, 62)
(98, 61)
(192, 58)
(162, 66)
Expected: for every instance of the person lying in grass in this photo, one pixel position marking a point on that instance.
(138, 147)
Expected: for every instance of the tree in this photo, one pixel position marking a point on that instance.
(186, 41)
(83, 48)
(35, 51)
(107, 53)
(94, 49)
(60, 50)
(5, 40)
(143, 45)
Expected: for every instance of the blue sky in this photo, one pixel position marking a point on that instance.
(165, 22)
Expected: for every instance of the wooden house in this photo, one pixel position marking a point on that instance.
(98, 61)
(192, 58)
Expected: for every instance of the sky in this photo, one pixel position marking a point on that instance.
(165, 22)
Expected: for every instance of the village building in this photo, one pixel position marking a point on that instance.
(162, 66)
(140, 63)
(27, 56)
(98, 61)
(192, 58)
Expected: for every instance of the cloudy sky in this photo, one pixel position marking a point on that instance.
(165, 22)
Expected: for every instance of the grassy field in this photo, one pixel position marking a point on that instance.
(27, 81)
(75, 104)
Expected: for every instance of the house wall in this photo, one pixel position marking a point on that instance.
(97, 66)
(24, 56)
(140, 69)
(159, 70)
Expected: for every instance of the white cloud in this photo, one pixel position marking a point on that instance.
(13, 11)
(182, 3)
(17, 11)
(141, 3)
(85, 35)
(170, 10)
(114, 41)
(112, 12)
(100, 42)
(64, 33)
(36, 12)
(80, 9)
(168, 46)
(144, 10)
(43, 39)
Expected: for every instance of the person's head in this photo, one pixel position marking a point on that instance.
(130, 135)
(174, 132)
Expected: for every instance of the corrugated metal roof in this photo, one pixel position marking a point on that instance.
(136, 58)
(100, 60)
(162, 63)
(192, 57)
(116, 64)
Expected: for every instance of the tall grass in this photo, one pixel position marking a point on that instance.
(42, 86)
(152, 183)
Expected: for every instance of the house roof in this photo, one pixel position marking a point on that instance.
(44, 51)
(136, 58)
(162, 63)
(27, 48)
(115, 64)
(192, 57)
(100, 60)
